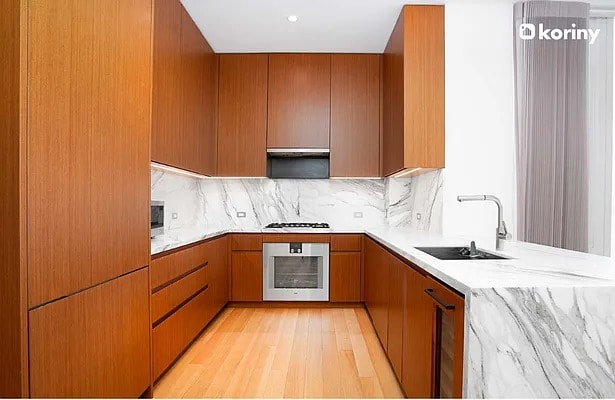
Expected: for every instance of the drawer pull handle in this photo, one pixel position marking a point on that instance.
(438, 300)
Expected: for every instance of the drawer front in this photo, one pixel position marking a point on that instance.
(247, 242)
(171, 337)
(296, 238)
(168, 298)
(171, 266)
(346, 242)
(442, 296)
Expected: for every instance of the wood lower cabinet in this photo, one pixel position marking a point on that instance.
(355, 115)
(397, 293)
(345, 277)
(219, 274)
(247, 276)
(376, 286)
(242, 115)
(94, 343)
(299, 101)
(416, 360)
(173, 335)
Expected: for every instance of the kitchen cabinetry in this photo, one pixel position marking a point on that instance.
(88, 143)
(416, 356)
(299, 101)
(94, 343)
(189, 287)
(355, 115)
(345, 268)
(376, 284)
(242, 115)
(413, 92)
(446, 312)
(397, 293)
(185, 92)
(419, 322)
(247, 267)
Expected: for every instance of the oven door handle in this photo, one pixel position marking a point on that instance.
(439, 301)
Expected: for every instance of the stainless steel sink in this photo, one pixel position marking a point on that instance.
(459, 253)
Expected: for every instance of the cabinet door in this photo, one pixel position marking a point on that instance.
(242, 121)
(345, 277)
(247, 276)
(416, 361)
(397, 288)
(94, 343)
(355, 115)
(120, 176)
(198, 104)
(88, 143)
(166, 102)
(220, 274)
(299, 103)
(376, 283)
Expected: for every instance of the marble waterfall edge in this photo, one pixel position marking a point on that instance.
(540, 343)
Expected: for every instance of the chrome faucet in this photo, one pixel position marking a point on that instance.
(501, 232)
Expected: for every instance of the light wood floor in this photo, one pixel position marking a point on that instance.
(284, 352)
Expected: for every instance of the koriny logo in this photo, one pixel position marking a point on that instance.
(528, 32)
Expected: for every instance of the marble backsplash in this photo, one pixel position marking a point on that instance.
(193, 204)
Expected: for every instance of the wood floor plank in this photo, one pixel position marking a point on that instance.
(284, 353)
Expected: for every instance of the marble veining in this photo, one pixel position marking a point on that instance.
(203, 205)
(540, 343)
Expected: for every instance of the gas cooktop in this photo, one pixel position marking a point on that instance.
(316, 225)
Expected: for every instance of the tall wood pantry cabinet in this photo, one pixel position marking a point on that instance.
(75, 139)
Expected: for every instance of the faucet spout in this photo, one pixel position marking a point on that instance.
(502, 232)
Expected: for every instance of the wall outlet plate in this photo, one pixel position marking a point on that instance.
(358, 214)
(174, 215)
(418, 216)
(241, 214)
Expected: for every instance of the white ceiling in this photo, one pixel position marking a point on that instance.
(335, 26)
(328, 26)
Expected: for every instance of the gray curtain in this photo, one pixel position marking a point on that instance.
(551, 127)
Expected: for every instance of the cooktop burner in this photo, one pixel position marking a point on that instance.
(278, 225)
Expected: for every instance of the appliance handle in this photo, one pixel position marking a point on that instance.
(439, 301)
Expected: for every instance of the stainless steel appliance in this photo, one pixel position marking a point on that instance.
(296, 271)
(157, 218)
(297, 225)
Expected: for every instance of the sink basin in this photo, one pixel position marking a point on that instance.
(458, 253)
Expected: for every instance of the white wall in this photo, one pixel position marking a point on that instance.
(480, 135)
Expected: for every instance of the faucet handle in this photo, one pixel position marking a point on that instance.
(503, 232)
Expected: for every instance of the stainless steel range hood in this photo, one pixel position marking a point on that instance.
(295, 163)
(298, 152)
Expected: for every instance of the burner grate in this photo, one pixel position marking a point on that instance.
(316, 225)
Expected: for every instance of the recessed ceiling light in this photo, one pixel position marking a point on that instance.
(292, 18)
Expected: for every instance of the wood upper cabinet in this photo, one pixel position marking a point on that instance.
(355, 115)
(242, 115)
(94, 343)
(167, 91)
(88, 143)
(185, 92)
(299, 103)
(413, 92)
(376, 286)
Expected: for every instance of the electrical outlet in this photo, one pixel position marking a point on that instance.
(174, 216)
(418, 216)
(241, 214)
(358, 214)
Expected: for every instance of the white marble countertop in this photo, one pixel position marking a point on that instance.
(529, 265)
